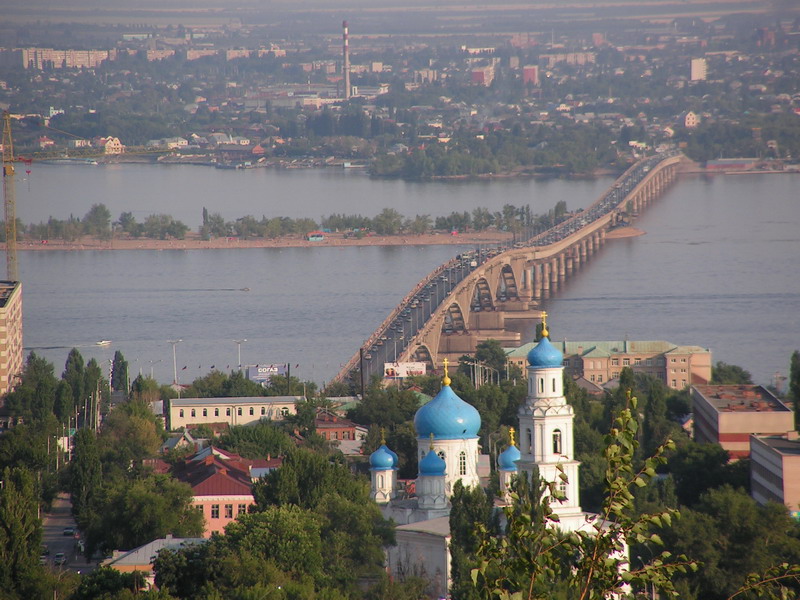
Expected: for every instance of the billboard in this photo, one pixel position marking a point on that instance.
(403, 369)
(262, 373)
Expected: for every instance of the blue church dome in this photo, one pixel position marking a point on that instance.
(507, 461)
(447, 417)
(545, 355)
(432, 465)
(382, 459)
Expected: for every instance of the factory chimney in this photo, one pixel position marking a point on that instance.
(346, 57)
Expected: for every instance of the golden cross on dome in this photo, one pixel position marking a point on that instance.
(446, 380)
(432, 436)
(545, 333)
(383, 435)
(511, 432)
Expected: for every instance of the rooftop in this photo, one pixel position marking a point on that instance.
(782, 444)
(595, 349)
(741, 398)
(236, 401)
(144, 555)
(6, 289)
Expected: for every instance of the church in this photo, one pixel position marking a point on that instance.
(448, 450)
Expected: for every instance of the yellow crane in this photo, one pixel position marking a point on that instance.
(9, 200)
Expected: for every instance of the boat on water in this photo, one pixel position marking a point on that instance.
(70, 161)
(103, 343)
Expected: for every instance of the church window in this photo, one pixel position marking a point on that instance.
(441, 454)
(215, 511)
(263, 410)
(562, 487)
(557, 441)
(554, 385)
(462, 463)
(239, 411)
(380, 481)
(227, 412)
(626, 362)
(530, 440)
(541, 385)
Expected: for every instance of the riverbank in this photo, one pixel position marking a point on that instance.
(193, 242)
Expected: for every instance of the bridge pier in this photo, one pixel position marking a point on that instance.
(554, 274)
(545, 280)
(570, 264)
(562, 267)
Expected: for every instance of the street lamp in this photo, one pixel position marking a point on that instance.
(239, 347)
(174, 360)
(152, 362)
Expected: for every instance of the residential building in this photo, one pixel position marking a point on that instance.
(221, 484)
(729, 414)
(698, 69)
(347, 435)
(11, 358)
(141, 559)
(600, 362)
(246, 410)
(110, 145)
(775, 470)
(530, 74)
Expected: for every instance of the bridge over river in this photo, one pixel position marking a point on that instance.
(474, 296)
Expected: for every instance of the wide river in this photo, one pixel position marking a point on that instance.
(717, 268)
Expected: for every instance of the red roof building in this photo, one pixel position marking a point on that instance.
(221, 484)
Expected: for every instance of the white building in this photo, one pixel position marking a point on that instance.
(184, 412)
(698, 69)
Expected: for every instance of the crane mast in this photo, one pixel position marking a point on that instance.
(9, 200)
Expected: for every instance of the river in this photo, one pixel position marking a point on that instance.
(715, 269)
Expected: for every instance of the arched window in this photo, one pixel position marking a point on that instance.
(251, 411)
(562, 487)
(530, 441)
(541, 385)
(216, 412)
(263, 410)
(180, 412)
(554, 385)
(193, 413)
(228, 412)
(380, 481)
(441, 454)
(239, 411)
(285, 411)
(205, 412)
(462, 463)
(557, 441)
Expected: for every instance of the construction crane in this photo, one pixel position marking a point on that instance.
(9, 200)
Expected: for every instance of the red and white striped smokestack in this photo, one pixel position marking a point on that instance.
(346, 58)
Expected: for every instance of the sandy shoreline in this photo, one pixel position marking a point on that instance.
(193, 242)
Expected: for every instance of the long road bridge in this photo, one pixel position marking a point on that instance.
(472, 297)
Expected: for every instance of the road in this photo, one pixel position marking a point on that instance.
(53, 536)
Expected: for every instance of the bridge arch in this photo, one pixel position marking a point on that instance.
(454, 320)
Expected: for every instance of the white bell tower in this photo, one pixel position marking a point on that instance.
(546, 424)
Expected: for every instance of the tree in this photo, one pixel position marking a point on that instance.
(535, 559)
(725, 374)
(733, 536)
(85, 473)
(34, 397)
(129, 513)
(469, 507)
(20, 532)
(97, 221)
(698, 468)
(794, 385)
(119, 373)
(74, 375)
(106, 582)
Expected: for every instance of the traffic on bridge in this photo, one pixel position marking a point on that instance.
(392, 341)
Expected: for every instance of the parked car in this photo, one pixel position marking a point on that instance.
(59, 559)
(70, 531)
